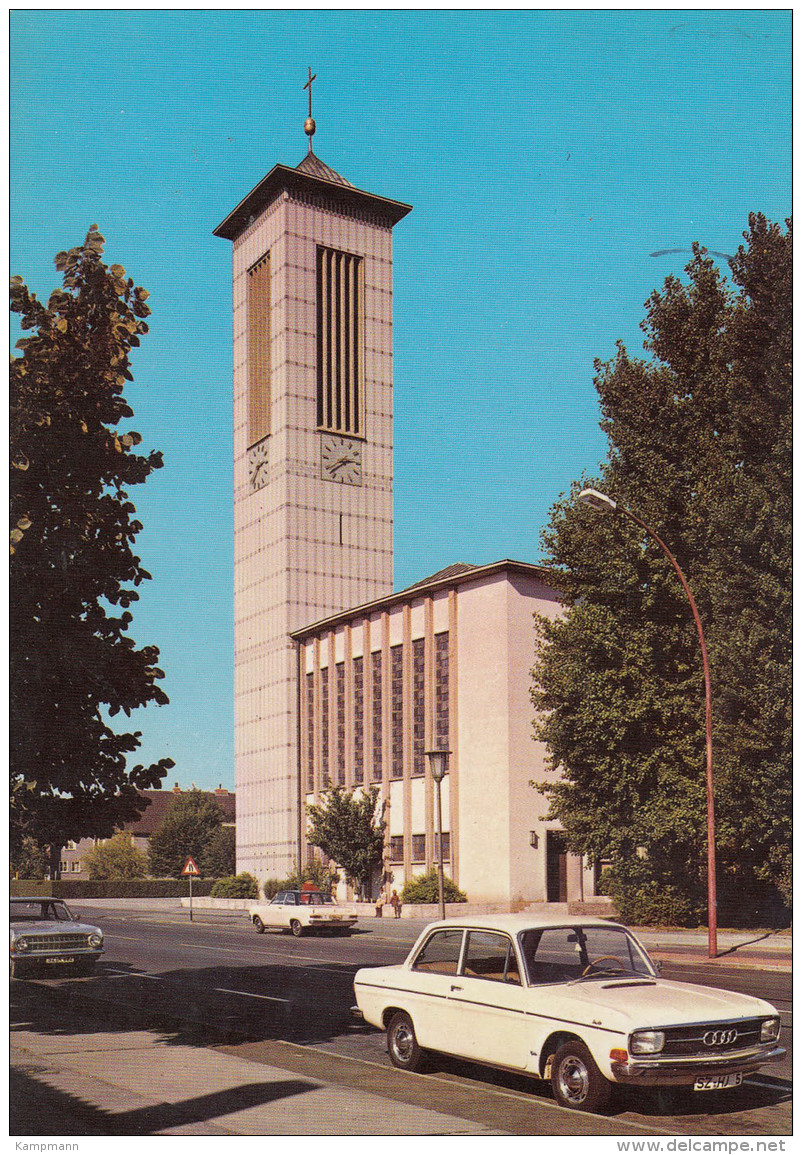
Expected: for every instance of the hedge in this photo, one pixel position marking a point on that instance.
(112, 888)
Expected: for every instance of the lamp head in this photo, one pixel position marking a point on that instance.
(598, 501)
(438, 763)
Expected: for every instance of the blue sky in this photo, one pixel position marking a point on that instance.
(547, 154)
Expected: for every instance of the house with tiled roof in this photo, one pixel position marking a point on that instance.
(73, 855)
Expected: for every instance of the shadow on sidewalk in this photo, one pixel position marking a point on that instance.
(38, 1109)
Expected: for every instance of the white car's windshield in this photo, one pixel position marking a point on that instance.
(40, 911)
(569, 953)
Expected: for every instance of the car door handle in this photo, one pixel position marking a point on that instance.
(455, 988)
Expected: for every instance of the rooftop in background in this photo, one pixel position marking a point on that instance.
(162, 800)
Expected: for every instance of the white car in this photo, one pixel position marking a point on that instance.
(46, 936)
(302, 910)
(575, 1001)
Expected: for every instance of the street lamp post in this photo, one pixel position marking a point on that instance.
(604, 504)
(438, 764)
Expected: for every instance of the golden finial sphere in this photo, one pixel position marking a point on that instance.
(309, 126)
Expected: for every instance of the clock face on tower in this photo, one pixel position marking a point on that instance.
(341, 459)
(257, 464)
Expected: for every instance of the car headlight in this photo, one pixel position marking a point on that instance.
(21, 944)
(769, 1030)
(96, 940)
(647, 1042)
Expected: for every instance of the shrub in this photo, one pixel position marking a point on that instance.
(236, 886)
(272, 887)
(77, 888)
(424, 888)
(651, 902)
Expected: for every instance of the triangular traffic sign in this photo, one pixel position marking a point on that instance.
(190, 867)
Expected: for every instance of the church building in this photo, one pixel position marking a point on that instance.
(338, 679)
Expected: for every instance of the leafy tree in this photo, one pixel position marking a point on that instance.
(30, 860)
(425, 888)
(218, 858)
(188, 828)
(324, 878)
(73, 570)
(346, 828)
(117, 858)
(699, 447)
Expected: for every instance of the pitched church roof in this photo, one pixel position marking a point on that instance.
(314, 166)
(458, 568)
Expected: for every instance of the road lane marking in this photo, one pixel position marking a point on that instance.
(127, 974)
(250, 995)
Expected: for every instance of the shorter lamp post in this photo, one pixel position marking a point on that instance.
(604, 504)
(438, 764)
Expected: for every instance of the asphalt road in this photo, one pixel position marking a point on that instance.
(285, 1001)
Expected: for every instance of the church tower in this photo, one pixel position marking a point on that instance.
(313, 459)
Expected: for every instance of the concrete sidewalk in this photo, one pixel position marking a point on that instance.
(141, 1084)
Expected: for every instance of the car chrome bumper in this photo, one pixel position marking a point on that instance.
(665, 1072)
(356, 1013)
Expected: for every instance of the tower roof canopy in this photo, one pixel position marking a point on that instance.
(312, 176)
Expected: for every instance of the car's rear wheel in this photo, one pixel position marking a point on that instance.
(402, 1043)
(296, 928)
(576, 1080)
(259, 926)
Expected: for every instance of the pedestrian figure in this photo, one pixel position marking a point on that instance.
(379, 906)
(395, 903)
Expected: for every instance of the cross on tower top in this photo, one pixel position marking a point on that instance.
(309, 124)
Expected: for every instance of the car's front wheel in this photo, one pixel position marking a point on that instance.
(576, 1080)
(86, 966)
(259, 926)
(402, 1043)
(296, 928)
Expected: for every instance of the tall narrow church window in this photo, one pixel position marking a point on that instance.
(441, 691)
(310, 732)
(376, 669)
(397, 710)
(339, 341)
(418, 708)
(359, 717)
(257, 314)
(324, 727)
(341, 723)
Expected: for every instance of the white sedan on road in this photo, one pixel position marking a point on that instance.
(575, 1001)
(300, 911)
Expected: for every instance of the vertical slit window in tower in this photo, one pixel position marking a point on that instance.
(310, 732)
(339, 337)
(376, 667)
(321, 338)
(397, 710)
(418, 708)
(441, 691)
(257, 324)
(359, 722)
(341, 723)
(325, 781)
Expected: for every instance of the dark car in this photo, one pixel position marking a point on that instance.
(46, 936)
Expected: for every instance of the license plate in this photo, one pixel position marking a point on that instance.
(718, 1082)
(336, 918)
(60, 959)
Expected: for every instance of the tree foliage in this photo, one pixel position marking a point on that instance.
(218, 859)
(29, 860)
(346, 828)
(189, 827)
(117, 858)
(74, 572)
(699, 447)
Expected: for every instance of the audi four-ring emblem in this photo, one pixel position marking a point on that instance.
(719, 1038)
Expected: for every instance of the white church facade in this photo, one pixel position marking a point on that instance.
(339, 680)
